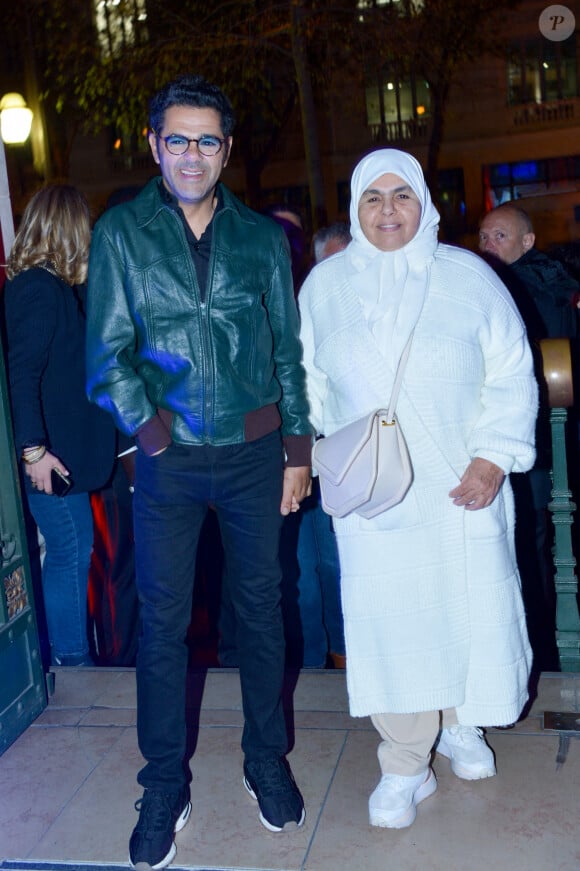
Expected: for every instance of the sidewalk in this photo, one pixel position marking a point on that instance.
(67, 787)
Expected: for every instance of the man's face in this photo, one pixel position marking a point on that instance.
(190, 177)
(389, 212)
(503, 235)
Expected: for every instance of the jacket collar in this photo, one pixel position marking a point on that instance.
(151, 202)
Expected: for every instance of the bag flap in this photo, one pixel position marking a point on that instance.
(332, 456)
(394, 473)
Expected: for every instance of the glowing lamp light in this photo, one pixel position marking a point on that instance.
(420, 110)
(15, 119)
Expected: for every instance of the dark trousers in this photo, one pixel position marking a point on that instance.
(533, 535)
(172, 493)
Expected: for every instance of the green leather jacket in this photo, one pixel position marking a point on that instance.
(171, 367)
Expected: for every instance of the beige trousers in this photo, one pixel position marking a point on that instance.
(408, 739)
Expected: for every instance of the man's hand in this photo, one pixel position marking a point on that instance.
(479, 485)
(297, 485)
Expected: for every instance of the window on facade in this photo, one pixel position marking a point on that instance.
(119, 23)
(451, 202)
(129, 150)
(503, 182)
(542, 70)
(397, 107)
(405, 5)
(399, 7)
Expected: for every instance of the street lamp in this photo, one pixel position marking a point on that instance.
(15, 124)
(15, 119)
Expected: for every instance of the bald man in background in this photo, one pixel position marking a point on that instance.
(545, 295)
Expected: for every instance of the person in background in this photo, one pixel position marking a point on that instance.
(194, 350)
(568, 254)
(546, 296)
(330, 240)
(544, 292)
(313, 613)
(113, 599)
(435, 629)
(57, 431)
(313, 624)
(292, 224)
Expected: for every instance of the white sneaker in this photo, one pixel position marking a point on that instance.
(471, 758)
(393, 804)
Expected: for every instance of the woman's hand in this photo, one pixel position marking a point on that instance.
(40, 472)
(479, 485)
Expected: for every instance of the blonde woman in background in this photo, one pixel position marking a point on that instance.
(64, 443)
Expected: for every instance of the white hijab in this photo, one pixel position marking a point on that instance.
(391, 285)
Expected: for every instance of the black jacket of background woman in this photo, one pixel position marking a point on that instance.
(45, 331)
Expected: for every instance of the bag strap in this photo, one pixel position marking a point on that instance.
(399, 378)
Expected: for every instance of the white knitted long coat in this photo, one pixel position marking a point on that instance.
(431, 592)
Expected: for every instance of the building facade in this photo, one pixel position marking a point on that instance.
(512, 131)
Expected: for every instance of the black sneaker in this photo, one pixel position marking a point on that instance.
(271, 783)
(161, 814)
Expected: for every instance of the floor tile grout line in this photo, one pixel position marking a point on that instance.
(75, 793)
(324, 800)
(307, 848)
(537, 731)
(53, 865)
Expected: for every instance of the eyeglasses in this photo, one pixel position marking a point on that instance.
(208, 146)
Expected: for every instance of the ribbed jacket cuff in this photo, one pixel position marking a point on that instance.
(153, 436)
(298, 450)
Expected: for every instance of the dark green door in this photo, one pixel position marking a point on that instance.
(22, 679)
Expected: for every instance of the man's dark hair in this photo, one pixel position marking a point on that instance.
(191, 90)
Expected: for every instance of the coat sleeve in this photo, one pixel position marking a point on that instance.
(316, 380)
(112, 382)
(287, 350)
(505, 430)
(31, 313)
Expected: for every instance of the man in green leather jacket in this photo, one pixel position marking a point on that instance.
(192, 346)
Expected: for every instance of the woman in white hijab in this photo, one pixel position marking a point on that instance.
(435, 628)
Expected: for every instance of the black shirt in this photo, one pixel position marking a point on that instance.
(200, 249)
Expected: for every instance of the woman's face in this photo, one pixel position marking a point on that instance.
(389, 212)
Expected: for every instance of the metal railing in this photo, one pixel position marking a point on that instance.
(540, 114)
(411, 129)
(557, 369)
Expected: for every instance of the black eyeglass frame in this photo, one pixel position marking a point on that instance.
(189, 141)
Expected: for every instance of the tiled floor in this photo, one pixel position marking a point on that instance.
(67, 787)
